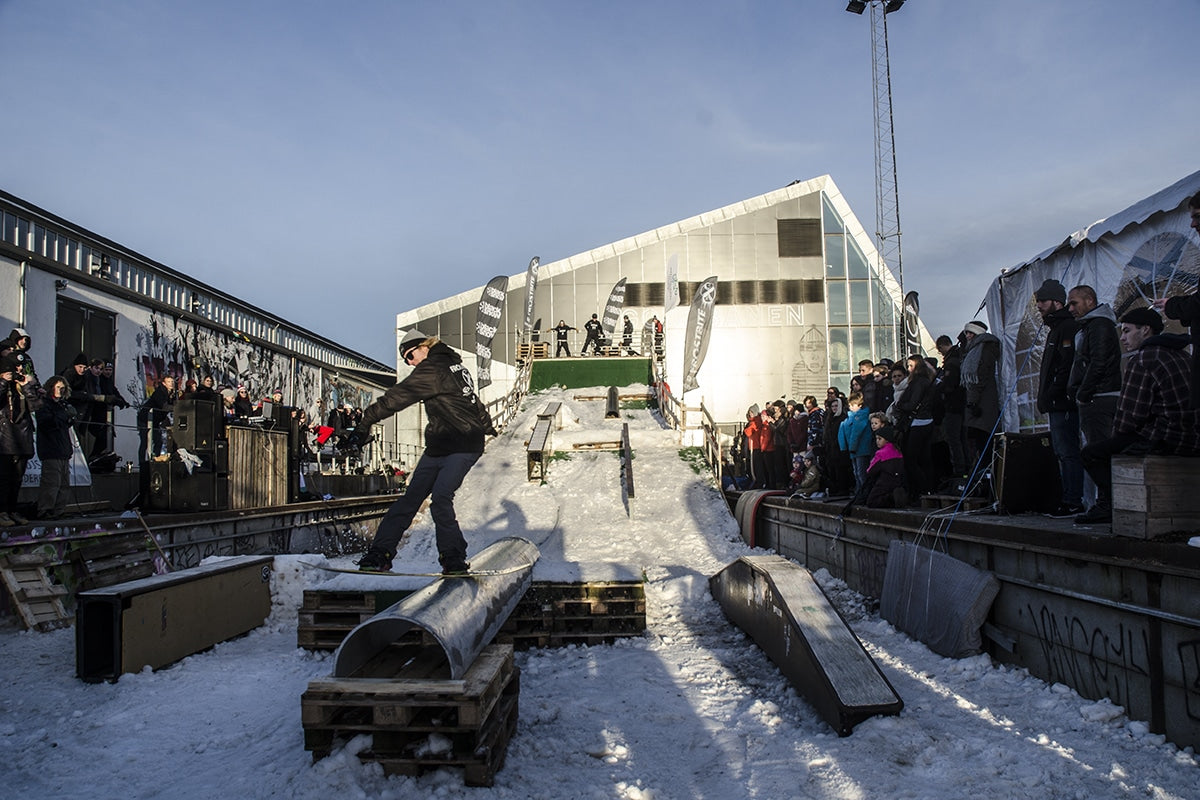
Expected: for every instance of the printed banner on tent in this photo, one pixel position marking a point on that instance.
(698, 327)
(612, 309)
(487, 322)
(671, 286)
(912, 326)
(530, 286)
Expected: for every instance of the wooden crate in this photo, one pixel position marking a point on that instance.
(1155, 495)
(408, 697)
(38, 601)
(111, 559)
(325, 617)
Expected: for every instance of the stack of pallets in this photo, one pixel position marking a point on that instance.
(111, 558)
(560, 614)
(326, 617)
(417, 717)
(37, 599)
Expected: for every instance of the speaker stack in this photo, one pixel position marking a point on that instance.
(1026, 473)
(198, 428)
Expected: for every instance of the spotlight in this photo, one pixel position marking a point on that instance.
(856, 6)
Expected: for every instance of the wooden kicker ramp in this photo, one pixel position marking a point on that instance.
(779, 604)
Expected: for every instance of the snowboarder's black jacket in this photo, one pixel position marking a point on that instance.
(458, 421)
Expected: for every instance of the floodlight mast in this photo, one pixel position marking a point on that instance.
(887, 199)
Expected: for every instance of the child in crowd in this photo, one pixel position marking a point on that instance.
(885, 476)
(854, 437)
(806, 480)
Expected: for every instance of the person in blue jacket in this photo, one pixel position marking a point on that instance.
(854, 437)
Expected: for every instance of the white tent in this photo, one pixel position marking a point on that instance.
(1130, 258)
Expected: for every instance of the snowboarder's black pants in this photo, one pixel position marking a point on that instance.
(438, 478)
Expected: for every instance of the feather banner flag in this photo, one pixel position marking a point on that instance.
(699, 325)
(487, 322)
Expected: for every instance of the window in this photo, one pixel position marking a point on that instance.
(799, 237)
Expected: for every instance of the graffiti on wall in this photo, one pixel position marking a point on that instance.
(167, 346)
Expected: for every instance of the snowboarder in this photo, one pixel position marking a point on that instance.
(458, 423)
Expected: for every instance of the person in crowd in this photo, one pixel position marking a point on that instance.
(751, 431)
(227, 395)
(797, 432)
(243, 406)
(1186, 308)
(560, 339)
(20, 398)
(981, 386)
(780, 422)
(1154, 413)
(915, 428)
(884, 376)
(954, 404)
(54, 449)
(766, 445)
(656, 328)
(592, 329)
(806, 479)
(98, 409)
(864, 383)
(627, 337)
(816, 423)
(1095, 379)
(897, 382)
(75, 374)
(161, 405)
(1053, 398)
(878, 419)
(883, 486)
(454, 439)
(854, 437)
(21, 342)
(839, 472)
(206, 390)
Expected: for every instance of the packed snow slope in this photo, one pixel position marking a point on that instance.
(690, 710)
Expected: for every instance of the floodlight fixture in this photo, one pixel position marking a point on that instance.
(856, 6)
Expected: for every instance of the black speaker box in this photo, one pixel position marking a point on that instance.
(1026, 473)
(173, 489)
(197, 424)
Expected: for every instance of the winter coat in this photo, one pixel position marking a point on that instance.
(766, 435)
(54, 420)
(954, 396)
(17, 407)
(1097, 365)
(1057, 358)
(458, 420)
(1155, 404)
(797, 434)
(1186, 309)
(854, 434)
(816, 427)
(752, 431)
(884, 476)
(980, 382)
(916, 402)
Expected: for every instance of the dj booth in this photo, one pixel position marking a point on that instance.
(253, 463)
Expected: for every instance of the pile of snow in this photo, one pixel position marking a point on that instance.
(692, 709)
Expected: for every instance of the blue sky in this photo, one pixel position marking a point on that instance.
(338, 163)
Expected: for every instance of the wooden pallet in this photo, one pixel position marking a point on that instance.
(111, 559)
(326, 617)
(476, 715)
(38, 601)
(952, 501)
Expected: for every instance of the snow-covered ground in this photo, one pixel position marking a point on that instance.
(690, 710)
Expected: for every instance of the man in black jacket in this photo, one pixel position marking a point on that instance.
(1053, 398)
(454, 437)
(1095, 382)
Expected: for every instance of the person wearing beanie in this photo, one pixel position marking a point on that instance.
(1154, 413)
(592, 328)
(1186, 308)
(54, 449)
(1053, 398)
(20, 399)
(454, 439)
(1095, 380)
(884, 486)
(981, 383)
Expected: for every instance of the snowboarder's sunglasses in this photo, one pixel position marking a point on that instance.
(408, 354)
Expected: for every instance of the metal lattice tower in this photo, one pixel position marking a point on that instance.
(887, 200)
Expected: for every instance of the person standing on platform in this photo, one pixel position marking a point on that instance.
(560, 339)
(19, 400)
(980, 382)
(1054, 400)
(454, 439)
(592, 328)
(54, 449)
(1095, 382)
(627, 337)
(1186, 309)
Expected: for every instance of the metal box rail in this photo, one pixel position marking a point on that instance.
(155, 621)
(779, 604)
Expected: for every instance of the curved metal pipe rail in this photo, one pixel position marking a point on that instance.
(462, 614)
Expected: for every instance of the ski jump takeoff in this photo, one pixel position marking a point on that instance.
(458, 423)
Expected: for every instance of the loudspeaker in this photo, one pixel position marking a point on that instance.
(197, 425)
(1026, 473)
(173, 489)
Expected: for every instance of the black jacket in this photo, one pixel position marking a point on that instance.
(1186, 309)
(17, 406)
(954, 396)
(1056, 362)
(1097, 365)
(458, 420)
(54, 430)
(917, 400)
